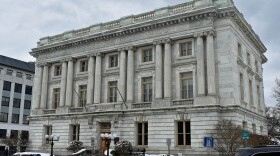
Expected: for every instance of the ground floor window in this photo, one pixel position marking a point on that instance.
(74, 132)
(142, 133)
(183, 133)
(48, 131)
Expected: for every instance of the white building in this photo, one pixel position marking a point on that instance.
(16, 81)
(179, 70)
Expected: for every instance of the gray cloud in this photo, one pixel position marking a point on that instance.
(24, 22)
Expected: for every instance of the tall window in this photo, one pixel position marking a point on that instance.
(57, 70)
(24, 135)
(251, 92)
(186, 86)
(28, 90)
(18, 88)
(113, 61)
(75, 132)
(7, 86)
(249, 59)
(254, 128)
(147, 89)
(241, 87)
(183, 133)
(16, 103)
(83, 66)
(256, 66)
(47, 131)
(259, 96)
(239, 50)
(3, 133)
(112, 91)
(185, 48)
(15, 118)
(3, 117)
(56, 96)
(82, 95)
(5, 101)
(142, 133)
(147, 55)
(14, 134)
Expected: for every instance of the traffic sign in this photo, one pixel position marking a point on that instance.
(209, 142)
(245, 135)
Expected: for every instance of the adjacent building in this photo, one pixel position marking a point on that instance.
(16, 82)
(171, 73)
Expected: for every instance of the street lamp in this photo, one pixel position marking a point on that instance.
(108, 137)
(52, 138)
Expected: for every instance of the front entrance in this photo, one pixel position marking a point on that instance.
(104, 128)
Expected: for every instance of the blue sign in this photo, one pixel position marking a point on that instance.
(209, 142)
(245, 135)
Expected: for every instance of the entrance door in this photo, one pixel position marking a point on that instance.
(104, 128)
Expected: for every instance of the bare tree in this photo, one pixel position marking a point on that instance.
(227, 137)
(276, 91)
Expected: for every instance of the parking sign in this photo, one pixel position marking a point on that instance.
(209, 142)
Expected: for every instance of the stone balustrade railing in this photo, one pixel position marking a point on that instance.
(108, 106)
(182, 102)
(118, 23)
(141, 105)
(76, 110)
(49, 111)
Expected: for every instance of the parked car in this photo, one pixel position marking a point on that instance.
(268, 150)
(31, 154)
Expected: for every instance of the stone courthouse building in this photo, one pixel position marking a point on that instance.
(168, 73)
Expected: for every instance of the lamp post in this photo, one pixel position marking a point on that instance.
(52, 138)
(108, 137)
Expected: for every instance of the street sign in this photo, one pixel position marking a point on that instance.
(209, 142)
(245, 135)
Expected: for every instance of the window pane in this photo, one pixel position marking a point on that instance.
(146, 139)
(139, 139)
(16, 103)
(5, 101)
(14, 134)
(188, 127)
(3, 117)
(146, 128)
(180, 127)
(139, 128)
(28, 90)
(180, 139)
(27, 104)
(7, 86)
(15, 118)
(188, 139)
(3, 133)
(18, 88)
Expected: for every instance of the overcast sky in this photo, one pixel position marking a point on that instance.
(23, 22)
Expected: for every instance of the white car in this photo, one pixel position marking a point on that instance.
(31, 154)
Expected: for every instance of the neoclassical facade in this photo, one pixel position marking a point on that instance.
(171, 73)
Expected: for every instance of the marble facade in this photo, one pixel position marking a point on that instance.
(214, 30)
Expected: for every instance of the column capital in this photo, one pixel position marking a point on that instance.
(157, 42)
(63, 60)
(70, 59)
(91, 55)
(99, 54)
(211, 33)
(122, 49)
(39, 65)
(198, 34)
(46, 64)
(131, 48)
(168, 40)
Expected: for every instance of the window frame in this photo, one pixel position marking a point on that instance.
(188, 43)
(113, 61)
(144, 134)
(83, 65)
(28, 90)
(7, 85)
(8, 101)
(56, 98)
(9, 72)
(19, 74)
(112, 91)
(24, 120)
(75, 132)
(18, 88)
(28, 77)
(5, 117)
(12, 135)
(82, 95)
(16, 103)
(3, 133)
(184, 133)
(186, 76)
(150, 56)
(57, 70)
(27, 104)
(251, 100)
(15, 118)
(149, 82)
(241, 89)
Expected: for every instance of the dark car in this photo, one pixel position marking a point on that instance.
(269, 150)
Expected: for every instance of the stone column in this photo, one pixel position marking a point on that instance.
(38, 87)
(200, 65)
(97, 83)
(130, 75)
(90, 85)
(44, 92)
(167, 69)
(122, 78)
(211, 72)
(69, 86)
(63, 83)
(158, 90)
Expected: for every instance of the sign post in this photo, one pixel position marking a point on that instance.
(209, 143)
(245, 136)
(92, 143)
(168, 143)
